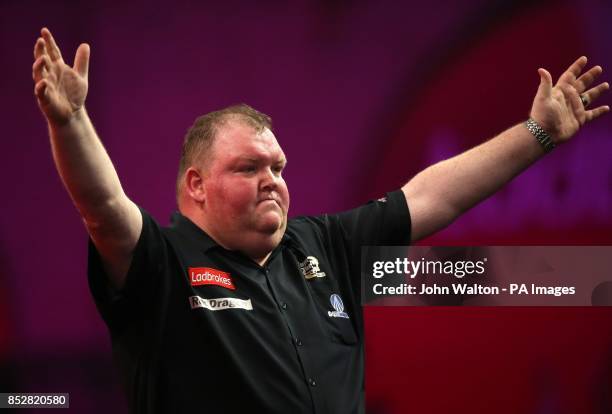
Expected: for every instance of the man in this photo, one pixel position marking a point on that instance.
(234, 306)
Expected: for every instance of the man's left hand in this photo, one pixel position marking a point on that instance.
(561, 110)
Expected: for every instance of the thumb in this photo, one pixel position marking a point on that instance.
(545, 88)
(81, 60)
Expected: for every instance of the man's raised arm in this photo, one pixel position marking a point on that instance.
(440, 193)
(112, 219)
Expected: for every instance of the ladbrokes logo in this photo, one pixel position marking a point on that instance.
(199, 276)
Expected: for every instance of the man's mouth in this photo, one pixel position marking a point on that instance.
(270, 201)
(269, 198)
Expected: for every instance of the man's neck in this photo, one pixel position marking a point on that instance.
(257, 256)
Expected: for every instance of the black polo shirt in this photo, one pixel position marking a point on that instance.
(199, 329)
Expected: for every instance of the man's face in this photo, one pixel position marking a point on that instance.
(246, 197)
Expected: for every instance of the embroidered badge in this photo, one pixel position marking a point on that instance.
(215, 304)
(310, 268)
(338, 306)
(199, 276)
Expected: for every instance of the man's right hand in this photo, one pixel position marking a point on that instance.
(60, 89)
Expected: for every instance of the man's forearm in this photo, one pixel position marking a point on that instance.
(85, 167)
(442, 192)
(113, 221)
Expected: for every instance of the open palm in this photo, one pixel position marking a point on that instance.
(559, 109)
(60, 89)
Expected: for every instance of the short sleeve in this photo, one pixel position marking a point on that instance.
(383, 222)
(118, 307)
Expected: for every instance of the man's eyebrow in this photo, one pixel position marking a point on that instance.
(247, 158)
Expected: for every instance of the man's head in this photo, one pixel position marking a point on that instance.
(230, 181)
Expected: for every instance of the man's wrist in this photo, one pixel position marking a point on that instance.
(540, 135)
(76, 117)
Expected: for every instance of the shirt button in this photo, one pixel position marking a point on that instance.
(312, 382)
(284, 305)
(298, 342)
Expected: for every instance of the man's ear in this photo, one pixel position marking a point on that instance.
(194, 184)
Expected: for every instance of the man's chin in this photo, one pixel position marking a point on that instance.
(271, 223)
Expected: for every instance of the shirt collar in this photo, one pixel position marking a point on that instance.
(189, 229)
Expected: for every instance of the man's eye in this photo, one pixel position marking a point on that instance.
(248, 168)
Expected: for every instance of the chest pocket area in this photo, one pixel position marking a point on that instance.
(335, 318)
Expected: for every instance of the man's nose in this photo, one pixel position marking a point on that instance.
(269, 180)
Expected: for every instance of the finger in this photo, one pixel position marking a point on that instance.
(572, 73)
(597, 112)
(545, 88)
(40, 90)
(573, 98)
(40, 67)
(39, 47)
(81, 60)
(594, 93)
(587, 78)
(52, 48)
